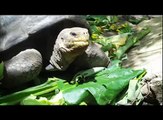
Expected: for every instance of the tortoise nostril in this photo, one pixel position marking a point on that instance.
(85, 33)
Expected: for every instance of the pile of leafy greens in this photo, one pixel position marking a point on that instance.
(101, 88)
(112, 85)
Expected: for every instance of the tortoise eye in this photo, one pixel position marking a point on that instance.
(73, 34)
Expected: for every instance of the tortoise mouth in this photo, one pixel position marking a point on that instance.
(77, 44)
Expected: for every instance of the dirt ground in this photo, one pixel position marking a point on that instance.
(148, 55)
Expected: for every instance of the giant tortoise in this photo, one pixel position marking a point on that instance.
(30, 44)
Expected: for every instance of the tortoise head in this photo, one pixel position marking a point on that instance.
(70, 43)
(74, 39)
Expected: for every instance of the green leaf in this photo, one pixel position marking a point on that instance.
(95, 29)
(98, 20)
(77, 95)
(114, 65)
(116, 83)
(133, 95)
(32, 100)
(82, 76)
(131, 41)
(14, 98)
(109, 43)
(126, 28)
(112, 19)
(109, 83)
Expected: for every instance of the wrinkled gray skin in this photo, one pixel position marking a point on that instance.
(93, 56)
(22, 67)
(70, 43)
(31, 44)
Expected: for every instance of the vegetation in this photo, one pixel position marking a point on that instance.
(101, 88)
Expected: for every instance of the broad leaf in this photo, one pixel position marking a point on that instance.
(109, 83)
(16, 97)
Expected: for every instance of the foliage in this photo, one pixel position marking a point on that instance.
(34, 100)
(117, 44)
(104, 86)
(131, 41)
(133, 95)
(16, 97)
(101, 88)
(100, 24)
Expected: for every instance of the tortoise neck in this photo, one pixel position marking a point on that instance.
(61, 59)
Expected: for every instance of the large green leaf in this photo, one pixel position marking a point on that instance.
(116, 82)
(109, 83)
(79, 94)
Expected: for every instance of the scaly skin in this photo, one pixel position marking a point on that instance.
(70, 43)
(22, 68)
(93, 56)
